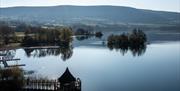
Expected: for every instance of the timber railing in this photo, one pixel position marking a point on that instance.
(52, 85)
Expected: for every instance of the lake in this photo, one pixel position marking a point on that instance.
(155, 68)
(101, 69)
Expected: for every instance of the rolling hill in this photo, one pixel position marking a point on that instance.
(89, 13)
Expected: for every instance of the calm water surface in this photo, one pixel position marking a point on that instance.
(101, 69)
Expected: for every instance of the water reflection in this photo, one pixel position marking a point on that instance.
(66, 52)
(136, 50)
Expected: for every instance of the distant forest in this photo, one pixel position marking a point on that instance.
(41, 36)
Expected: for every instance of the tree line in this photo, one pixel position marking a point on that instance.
(7, 34)
(45, 36)
(84, 32)
(35, 36)
(39, 36)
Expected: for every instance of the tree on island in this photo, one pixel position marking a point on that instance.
(98, 34)
(134, 41)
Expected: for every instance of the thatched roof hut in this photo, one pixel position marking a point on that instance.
(66, 77)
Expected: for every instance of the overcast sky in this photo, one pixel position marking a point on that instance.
(164, 5)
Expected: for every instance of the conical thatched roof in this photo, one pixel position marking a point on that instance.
(66, 77)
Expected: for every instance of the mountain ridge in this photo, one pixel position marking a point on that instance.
(87, 6)
(105, 12)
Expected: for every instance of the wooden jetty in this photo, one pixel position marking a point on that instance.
(5, 59)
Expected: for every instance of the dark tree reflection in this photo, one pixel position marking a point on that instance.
(64, 51)
(41, 52)
(138, 50)
(122, 49)
(28, 52)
